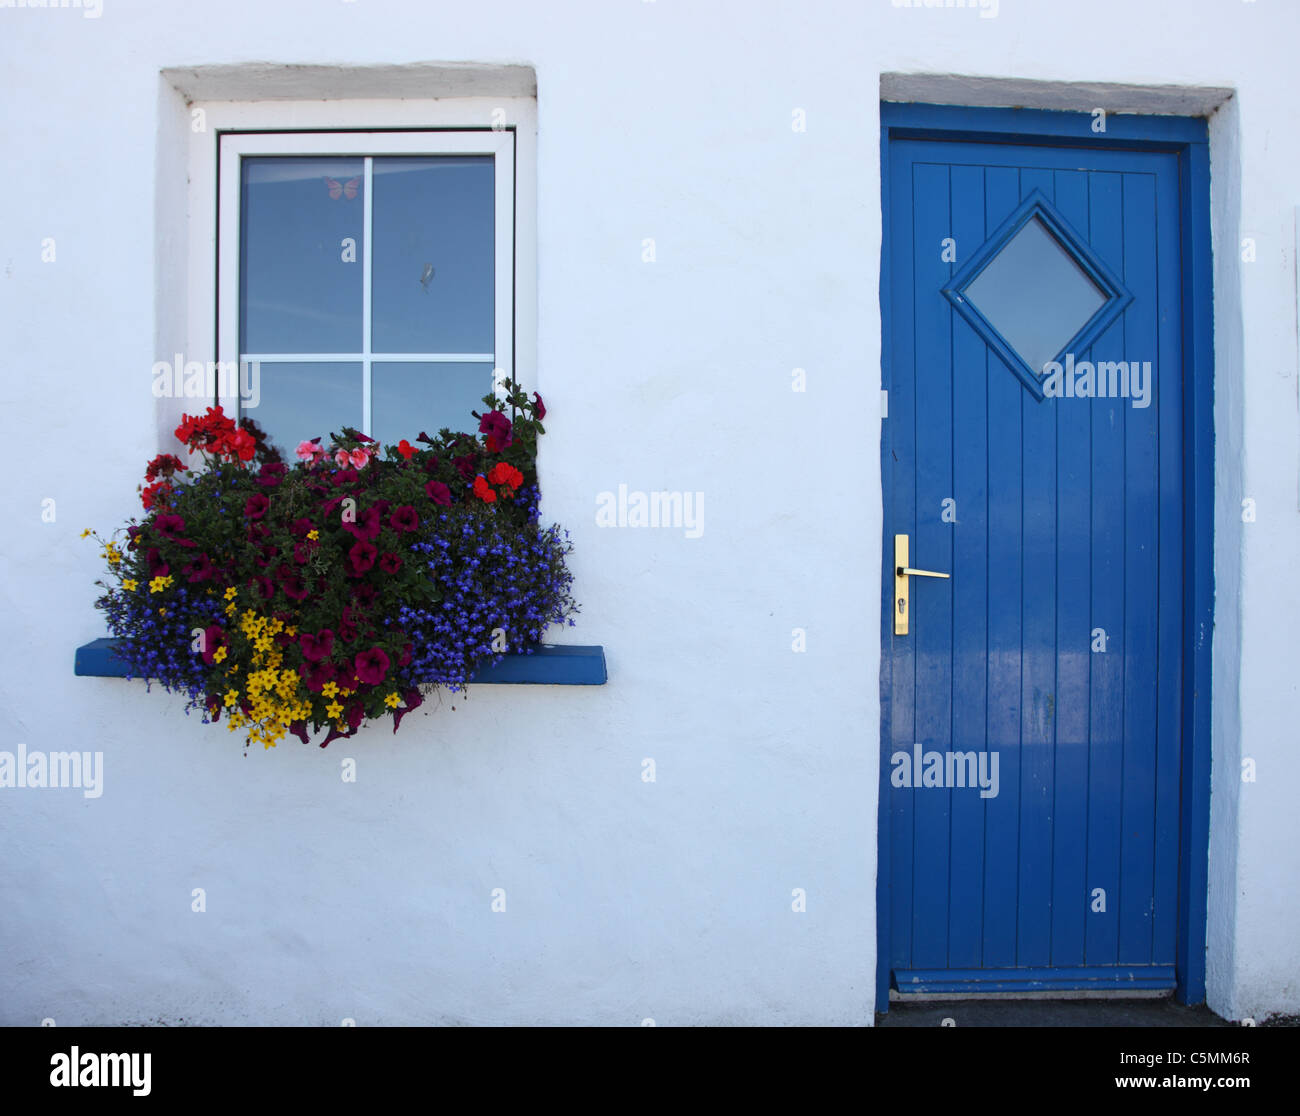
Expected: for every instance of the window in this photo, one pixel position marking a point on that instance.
(366, 278)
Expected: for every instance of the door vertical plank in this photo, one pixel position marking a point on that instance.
(1038, 676)
(1106, 716)
(1074, 589)
(1005, 571)
(1169, 400)
(902, 518)
(969, 587)
(1141, 584)
(931, 598)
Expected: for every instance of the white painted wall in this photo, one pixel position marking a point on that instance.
(625, 900)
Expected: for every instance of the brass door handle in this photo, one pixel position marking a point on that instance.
(902, 571)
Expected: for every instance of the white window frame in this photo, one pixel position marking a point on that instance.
(504, 127)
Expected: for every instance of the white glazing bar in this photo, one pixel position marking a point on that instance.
(367, 224)
(381, 358)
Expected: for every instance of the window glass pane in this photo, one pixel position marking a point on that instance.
(432, 290)
(298, 294)
(1035, 295)
(407, 398)
(297, 401)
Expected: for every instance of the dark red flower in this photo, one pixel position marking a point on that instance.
(318, 646)
(164, 465)
(213, 637)
(344, 476)
(362, 555)
(295, 588)
(466, 465)
(199, 570)
(541, 407)
(256, 506)
(337, 734)
(271, 474)
(413, 700)
(300, 527)
(390, 563)
(404, 519)
(265, 587)
(371, 666)
(315, 677)
(301, 552)
(173, 527)
(367, 525)
(364, 594)
(497, 428)
(439, 493)
(154, 559)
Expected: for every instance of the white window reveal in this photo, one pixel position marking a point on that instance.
(366, 278)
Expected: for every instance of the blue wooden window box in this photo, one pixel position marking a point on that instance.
(548, 665)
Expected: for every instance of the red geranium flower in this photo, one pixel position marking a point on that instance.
(153, 493)
(505, 473)
(483, 491)
(405, 449)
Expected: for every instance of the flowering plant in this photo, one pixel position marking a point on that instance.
(318, 595)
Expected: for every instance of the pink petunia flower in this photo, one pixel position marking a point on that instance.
(359, 457)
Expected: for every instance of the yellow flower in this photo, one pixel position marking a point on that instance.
(230, 608)
(85, 532)
(232, 696)
(291, 631)
(330, 689)
(158, 584)
(334, 709)
(347, 693)
(231, 593)
(219, 655)
(392, 701)
(162, 612)
(130, 584)
(313, 534)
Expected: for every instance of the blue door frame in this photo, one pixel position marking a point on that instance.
(1186, 138)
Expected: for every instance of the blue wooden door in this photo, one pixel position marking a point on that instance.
(1033, 451)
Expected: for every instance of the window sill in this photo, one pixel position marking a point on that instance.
(548, 665)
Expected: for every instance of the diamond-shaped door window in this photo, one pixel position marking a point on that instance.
(1035, 291)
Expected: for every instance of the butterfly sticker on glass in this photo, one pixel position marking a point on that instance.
(339, 189)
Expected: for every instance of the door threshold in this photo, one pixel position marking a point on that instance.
(896, 997)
